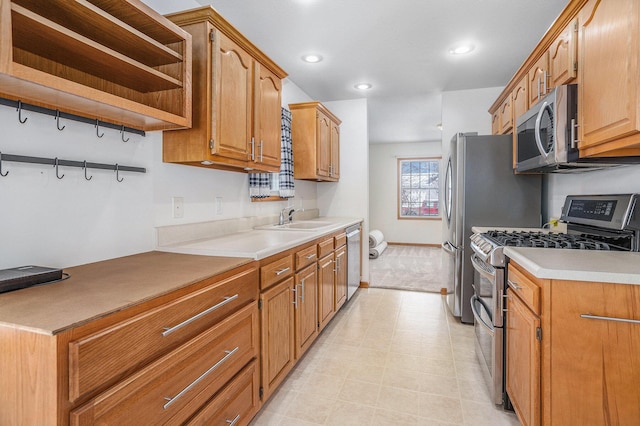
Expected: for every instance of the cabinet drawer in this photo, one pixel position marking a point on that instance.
(97, 359)
(172, 388)
(325, 247)
(237, 402)
(340, 239)
(525, 288)
(306, 257)
(275, 271)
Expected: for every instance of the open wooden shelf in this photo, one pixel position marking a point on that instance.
(116, 61)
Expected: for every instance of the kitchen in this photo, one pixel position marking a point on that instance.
(74, 222)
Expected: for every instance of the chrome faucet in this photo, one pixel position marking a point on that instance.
(289, 212)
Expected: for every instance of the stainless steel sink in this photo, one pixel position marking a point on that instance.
(303, 225)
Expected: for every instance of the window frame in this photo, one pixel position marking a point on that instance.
(399, 189)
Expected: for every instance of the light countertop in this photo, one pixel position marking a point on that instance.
(578, 265)
(259, 243)
(98, 289)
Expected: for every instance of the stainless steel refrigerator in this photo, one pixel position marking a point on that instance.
(482, 190)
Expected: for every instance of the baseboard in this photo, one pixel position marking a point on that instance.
(413, 244)
(364, 284)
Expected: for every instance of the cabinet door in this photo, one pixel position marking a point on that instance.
(523, 360)
(267, 120)
(323, 141)
(495, 122)
(306, 313)
(608, 98)
(506, 120)
(519, 105)
(340, 257)
(277, 335)
(232, 99)
(595, 367)
(538, 79)
(563, 56)
(335, 151)
(326, 291)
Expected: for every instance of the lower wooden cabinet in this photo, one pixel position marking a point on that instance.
(306, 309)
(576, 363)
(340, 279)
(173, 387)
(326, 291)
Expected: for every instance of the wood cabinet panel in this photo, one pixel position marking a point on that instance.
(340, 261)
(519, 105)
(525, 288)
(95, 359)
(238, 402)
(306, 309)
(523, 360)
(277, 335)
(275, 271)
(506, 118)
(323, 144)
(326, 290)
(325, 247)
(595, 363)
(608, 90)
(563, 56)
(340, 240)
(267, 120)
(538, 79)
(306, 257)
(495, 122)
(334, 166)
(187, 376)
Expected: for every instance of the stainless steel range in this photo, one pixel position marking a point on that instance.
(594, 222)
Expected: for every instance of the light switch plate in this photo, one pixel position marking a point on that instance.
(178, 207)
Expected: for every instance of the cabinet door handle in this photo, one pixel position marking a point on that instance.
(282, 271)
(234, 421)
(261, 143)
(544, 82)
(514, 286)
(202, 376)
(227, 299)
(253, 149)
(311, 256)
(597, 317)
(302, 285)
(295, 297)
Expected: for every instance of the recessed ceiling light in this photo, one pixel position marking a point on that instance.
(363, 86)
(312, 58)
(462, 49)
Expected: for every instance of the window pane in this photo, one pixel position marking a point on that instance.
(419, 188)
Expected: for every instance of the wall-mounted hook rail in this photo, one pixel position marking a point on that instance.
(22, 106)
(98, 134)
(56, 162)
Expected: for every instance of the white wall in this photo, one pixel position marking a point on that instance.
(383, 202)
(350, 196)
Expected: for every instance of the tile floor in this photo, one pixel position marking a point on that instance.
(389, 357)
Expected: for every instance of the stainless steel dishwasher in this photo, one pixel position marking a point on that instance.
(353, 259)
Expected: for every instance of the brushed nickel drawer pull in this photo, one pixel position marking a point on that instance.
(514, 285)
(202, 376)
(311, 256)
(234, 421)
(597, 317)
(295, 297)
(227, 299)
(282, 271)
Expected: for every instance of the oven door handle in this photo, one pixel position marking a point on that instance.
(477, 316)
(483, 268)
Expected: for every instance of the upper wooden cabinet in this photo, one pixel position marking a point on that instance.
(608, 93)
(315, 134)
(596, 45)
(120, 62)
(237, 93)
(563, 59)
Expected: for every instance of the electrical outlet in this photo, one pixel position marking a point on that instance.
(178, 207)
(218, 205)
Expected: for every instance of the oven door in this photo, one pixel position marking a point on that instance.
(488, 284)
(488, 343)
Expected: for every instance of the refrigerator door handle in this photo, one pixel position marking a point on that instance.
(449, 248)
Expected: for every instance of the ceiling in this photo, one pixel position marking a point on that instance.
(401, 47)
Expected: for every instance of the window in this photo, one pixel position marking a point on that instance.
(418, 188)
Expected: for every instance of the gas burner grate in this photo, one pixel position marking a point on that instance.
(546, 240)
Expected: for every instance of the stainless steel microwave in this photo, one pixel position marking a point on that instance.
(546, 139)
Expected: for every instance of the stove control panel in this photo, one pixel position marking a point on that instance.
(615, 211)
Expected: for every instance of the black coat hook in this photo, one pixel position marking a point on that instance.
(55, 164)
(85, 172)
(20, 113)
(58, 121)
(118, 173)
(5, 173)
(98, 129)
(122, 135)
